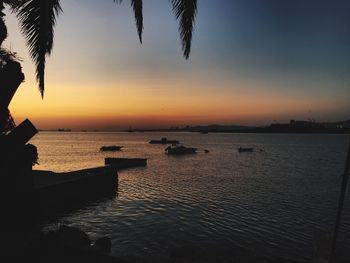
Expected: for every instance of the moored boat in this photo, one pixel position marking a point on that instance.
(164, 140)
(111, 148)
(241, 149)
(180, 150)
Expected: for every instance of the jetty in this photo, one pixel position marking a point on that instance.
(42, 191)
(51, 189)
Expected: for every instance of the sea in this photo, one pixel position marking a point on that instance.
(277, 202)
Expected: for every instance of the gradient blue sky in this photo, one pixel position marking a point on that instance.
(252, 62)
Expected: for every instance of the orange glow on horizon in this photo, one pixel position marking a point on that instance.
(84, 107)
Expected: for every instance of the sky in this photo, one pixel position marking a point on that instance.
(253, 62)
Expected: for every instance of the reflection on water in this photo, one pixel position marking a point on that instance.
(211, 206)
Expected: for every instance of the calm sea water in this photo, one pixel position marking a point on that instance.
(210, 207)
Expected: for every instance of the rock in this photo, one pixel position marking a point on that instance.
(103, 245)
(73, 237)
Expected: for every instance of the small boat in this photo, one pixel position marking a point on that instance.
(164, 140)
(180, 150)
(112, 148)
(241, 149)
(64, 130)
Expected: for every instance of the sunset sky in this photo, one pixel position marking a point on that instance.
(253, 62)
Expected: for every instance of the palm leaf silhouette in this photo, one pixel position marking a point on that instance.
(137, 7)
(185, 11)
(37, 19)
(3, 31)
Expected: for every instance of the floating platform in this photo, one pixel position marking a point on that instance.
(124, 163)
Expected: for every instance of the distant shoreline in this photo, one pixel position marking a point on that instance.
(256, 131)
(293, 127)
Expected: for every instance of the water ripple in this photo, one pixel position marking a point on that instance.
(222, 203)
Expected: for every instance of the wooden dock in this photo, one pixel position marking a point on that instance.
(53, 190)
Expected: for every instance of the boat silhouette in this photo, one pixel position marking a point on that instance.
(179, 149)
(112, 148)
(241, 149)
(164, 140)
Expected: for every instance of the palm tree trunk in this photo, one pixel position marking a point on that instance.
(10, 70)
(11, 77)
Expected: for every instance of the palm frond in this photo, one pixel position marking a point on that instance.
(11, 3)
(7, 56)
(3, 29)
(37, 19)
(185, 11)
(137, 6)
